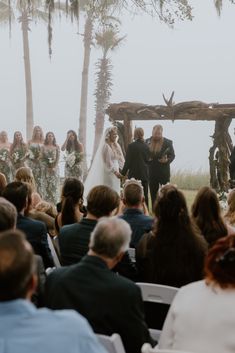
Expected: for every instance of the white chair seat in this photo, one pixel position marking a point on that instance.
(113, 344)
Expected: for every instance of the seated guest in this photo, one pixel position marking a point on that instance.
(8, 218)
(173, 254)
(206, 213)
(229, 216)
(25, 175)
(19, 194)
(133, 200)
(202, 316)
(111, 303)
(23, 328)
(74, 239)
(71, 203)
(45, 212)
(3, 182)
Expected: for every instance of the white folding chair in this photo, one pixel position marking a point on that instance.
(113, 344)
(53, 252)
(131, 252)
(146, 348)
(157, 293)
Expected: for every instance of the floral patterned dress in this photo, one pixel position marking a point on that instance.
(51, 175)
(35, 163)
(73, 165)
(5, 163)
(18, 158)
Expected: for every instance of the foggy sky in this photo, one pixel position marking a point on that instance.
(195, 59)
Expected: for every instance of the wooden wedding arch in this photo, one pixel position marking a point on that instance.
(222, 114)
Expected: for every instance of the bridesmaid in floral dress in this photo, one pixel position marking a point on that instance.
(34, 158)
(5, 162)
(73, 157)
(18, 152)
(51, 177)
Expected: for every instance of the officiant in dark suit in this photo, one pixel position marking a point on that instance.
(137, 159)
(161, 155)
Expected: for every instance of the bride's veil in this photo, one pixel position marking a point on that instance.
(96, 172)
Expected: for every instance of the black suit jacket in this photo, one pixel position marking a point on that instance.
(110, 303)
(161, 171)
(74, 244)
(137, 158)
(36, 234)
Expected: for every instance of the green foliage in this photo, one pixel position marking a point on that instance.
(190, 180)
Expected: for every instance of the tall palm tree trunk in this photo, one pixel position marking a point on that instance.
(84, 88)
(99, 128)
(28, 81)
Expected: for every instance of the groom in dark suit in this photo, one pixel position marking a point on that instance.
(110, 302)
(137, 159)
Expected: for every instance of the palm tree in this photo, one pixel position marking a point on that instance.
(25, 10)
(107, 40)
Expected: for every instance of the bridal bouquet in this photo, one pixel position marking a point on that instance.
(73, 158)
(3, 155)
(34, 152)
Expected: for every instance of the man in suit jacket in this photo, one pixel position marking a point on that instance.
(137, 159)
(111, 303)
(133, 199)
(19, 194)
(161, 155)
(74, 238)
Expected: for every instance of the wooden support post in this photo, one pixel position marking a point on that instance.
(127, 131)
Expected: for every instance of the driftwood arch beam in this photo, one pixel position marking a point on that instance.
(222, 114)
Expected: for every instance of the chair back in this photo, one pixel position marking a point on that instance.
(157, 293)
(146, 348)
(131, 252)
(53, 252)
(113, 344)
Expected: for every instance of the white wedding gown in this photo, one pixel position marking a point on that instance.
(105, 163)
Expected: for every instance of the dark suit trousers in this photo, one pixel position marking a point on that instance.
(145, 186)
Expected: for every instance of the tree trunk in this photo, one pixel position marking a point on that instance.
(28, 81)
(84, 88)
(99, 128)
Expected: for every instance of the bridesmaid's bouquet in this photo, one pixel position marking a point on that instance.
(73, 158)
(34, 152)
(49, 159)
(3, 155)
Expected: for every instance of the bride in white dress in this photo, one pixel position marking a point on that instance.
(107, 162)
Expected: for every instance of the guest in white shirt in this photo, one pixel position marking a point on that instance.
(202, 316)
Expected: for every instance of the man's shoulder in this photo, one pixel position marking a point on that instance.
(68, 321)
(70, 229)
(168, 141)
(30, 222)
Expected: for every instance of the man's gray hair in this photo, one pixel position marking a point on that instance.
(111, 236)
(8, 215)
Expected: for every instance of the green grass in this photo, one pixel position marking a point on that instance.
(190, 180)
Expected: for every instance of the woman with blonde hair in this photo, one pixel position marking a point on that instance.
(51, 175)
(5, 162)
(3, 182)
(18, 152)
(34, 158)
(25, 175)
(108, 161)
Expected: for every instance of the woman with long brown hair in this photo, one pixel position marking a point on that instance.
(74, 156)
(173, 254)
(206, 213)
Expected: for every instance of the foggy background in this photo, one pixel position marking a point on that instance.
(195, 59)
